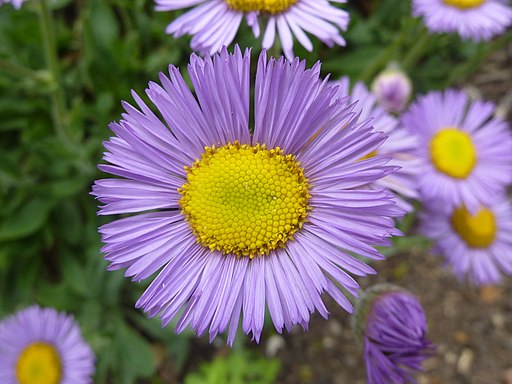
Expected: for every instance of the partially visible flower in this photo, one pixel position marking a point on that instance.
(471, 19)
(41, 345)
(215, 23)
(233, 219)
(400, 145)
(15, 3)
(467, 152)
(393, 89)
(477, 246)
(393, 329)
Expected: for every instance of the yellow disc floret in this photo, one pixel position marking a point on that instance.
(369, 156)
(452, 152)
(478, 230)
(39, 363)
(464, 4)
(267, 6)
(245, 200)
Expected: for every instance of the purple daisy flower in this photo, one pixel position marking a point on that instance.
(244, 220)
(400, 145)
(393, 328)
(393, 89)
(471, 19)
(477, 246)
(215, 23)
(15, 3)
(41, 345)
(467, 152)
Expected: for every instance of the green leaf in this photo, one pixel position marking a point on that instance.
(26, 221)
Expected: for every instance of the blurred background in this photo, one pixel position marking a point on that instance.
(53, 119)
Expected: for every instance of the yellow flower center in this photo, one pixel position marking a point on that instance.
(245, 200)
(464, 4)
(39, 363)
(479, 230)
(452, 152)
(268, 6)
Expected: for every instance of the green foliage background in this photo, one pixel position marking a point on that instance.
(49, 244)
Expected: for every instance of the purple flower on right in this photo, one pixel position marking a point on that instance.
(467, 151)
(471, 19)
(477, 246)
(393, 328)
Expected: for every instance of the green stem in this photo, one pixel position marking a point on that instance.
(386, 56)
(59, 112)
(482, 53)
(418, 50)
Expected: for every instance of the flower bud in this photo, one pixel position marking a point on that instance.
(392, 326)
(393, 89)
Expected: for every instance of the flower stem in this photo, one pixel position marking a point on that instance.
(419, 49)
(59, 112)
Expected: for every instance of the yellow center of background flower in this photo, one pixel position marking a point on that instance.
(39, 363)
(369, 156)
(245, 200)
(452, 152)
(464, 4)
(268, 6)
(479, 230)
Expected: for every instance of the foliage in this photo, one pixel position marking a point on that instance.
(54, 119)
(241, 368)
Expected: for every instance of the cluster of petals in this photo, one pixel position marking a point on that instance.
(213, 24)
(45, 325)
(400, 145)
(394, 336)
(293, 110)
(481, 21)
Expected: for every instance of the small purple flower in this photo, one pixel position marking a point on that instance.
(233, 219)
(41, 345)
(15, 3)
(393, 328)
(477, 246)
(393, 89)
(471, 19)
(400, 145)
(466, 151)
(215, 23)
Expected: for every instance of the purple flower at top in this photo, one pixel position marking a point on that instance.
(393, 328)
(393, 89)
(477, 246)
(41, 345)
(236, 220)
(466, 151)
(215, 23)
(400, 145)
(471, 19)
(15, 3)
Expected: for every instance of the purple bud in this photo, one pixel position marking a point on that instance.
(393, 89)
(392, 326)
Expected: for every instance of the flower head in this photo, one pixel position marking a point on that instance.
(243, 219)
(400, 145)
(215, 23)
(393, 328)
(467, 152)
(476, 245)
(393, 89)
(471, 19)
(41, 345)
